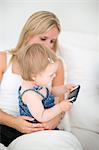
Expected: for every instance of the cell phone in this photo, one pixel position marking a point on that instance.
(73, 94)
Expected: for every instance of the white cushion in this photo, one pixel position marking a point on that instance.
(81, 70)
(89, 140)
(46, 140)
(2, 147)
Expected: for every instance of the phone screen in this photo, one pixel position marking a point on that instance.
(73, 94)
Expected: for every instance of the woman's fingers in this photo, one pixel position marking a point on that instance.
(24, 125)
(34, 127)
(31, 130)
(27, 118)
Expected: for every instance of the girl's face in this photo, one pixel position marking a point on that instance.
(48, 38)
(46, 77)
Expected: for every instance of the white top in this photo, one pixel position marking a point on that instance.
(9, 90)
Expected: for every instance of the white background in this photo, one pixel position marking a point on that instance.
(75, 16)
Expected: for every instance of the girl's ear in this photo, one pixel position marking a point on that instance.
(33, 77)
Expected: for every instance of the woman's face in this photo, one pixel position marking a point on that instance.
(48, 38)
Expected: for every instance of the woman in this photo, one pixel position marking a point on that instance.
(42, 27)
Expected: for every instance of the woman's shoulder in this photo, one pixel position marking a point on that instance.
(3, 60)
(3, 56)
(3, 53)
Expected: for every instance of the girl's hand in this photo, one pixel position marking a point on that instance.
(65, 105)
(53, 123)
(69, 87)
(23, 125)
(62, 89)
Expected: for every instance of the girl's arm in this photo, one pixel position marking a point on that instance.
(58, 90)
(19, 123)
(58, 81)
(34, 103)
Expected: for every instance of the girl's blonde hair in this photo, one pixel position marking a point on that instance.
(37, 23)
(33, 59)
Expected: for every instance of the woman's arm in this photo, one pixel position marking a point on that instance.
(3, 64)
(59, 79)
(19, 123)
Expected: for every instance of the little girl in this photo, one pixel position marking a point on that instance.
(38, 65)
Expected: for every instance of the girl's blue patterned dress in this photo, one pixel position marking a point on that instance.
(47, 101)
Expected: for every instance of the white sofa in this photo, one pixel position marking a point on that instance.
(80, 56)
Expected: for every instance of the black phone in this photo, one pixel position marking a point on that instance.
(73, 94)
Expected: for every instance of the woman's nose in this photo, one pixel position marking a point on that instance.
(49, 44)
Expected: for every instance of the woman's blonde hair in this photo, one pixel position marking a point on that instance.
(37, 23)
(33, 59)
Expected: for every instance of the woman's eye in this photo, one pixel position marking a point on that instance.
(52, 41)
(43, 39)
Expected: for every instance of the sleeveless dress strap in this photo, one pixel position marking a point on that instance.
(32, 89)
(8, 57)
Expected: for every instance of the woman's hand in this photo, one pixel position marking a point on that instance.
(23, 125)
(53, 123)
